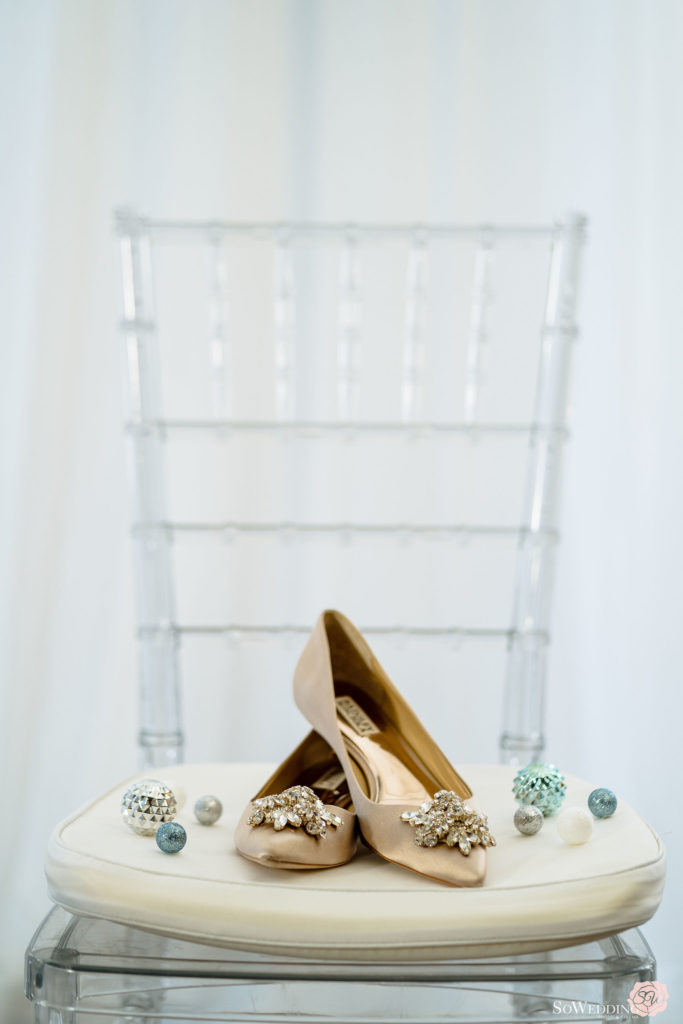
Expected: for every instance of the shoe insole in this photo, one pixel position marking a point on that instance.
(332, 788)
(387, 767)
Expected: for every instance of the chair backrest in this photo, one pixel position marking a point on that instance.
(362, 416)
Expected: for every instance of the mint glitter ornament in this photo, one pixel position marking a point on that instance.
(540, 785)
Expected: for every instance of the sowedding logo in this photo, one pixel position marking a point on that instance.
(648, 998)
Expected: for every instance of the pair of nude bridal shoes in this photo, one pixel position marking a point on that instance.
(369, 762)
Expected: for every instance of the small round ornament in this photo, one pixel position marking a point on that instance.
(171, 837)
(574, 825)
(602, 803)
(528, 819)
(208, 810)
(541, 785)
(147, 804)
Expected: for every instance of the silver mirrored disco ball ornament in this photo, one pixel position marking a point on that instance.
(146, 805)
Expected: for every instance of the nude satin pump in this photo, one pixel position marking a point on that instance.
(392, 765)
(301, 834)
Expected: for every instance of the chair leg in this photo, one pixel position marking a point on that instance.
(616, 989)
(138, 998)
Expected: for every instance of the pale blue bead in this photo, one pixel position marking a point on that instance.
(602, 803)
(171, 837)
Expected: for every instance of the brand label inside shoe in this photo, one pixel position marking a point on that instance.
(332, 779)
(355, 716)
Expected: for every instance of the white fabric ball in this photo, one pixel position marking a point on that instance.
(574, 825)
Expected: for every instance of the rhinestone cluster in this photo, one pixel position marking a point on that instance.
(446, 819)
(541, 785)
(297, 806)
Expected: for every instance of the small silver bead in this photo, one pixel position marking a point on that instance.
(208, 810)
(528, 820)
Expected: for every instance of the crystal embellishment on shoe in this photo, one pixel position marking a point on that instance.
(447, 819)
(297, 806)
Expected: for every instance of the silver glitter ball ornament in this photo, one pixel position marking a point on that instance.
(528, 820)
(148, 804)
(208, 810)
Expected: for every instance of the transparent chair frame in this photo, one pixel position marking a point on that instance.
(526, 633)
(79, 969)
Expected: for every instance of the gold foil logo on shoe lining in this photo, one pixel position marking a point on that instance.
(354, 715)
(332, 780)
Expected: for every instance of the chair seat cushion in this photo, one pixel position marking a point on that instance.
(539, 892)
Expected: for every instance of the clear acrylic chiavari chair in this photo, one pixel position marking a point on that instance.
(405, 391)
(363, 416)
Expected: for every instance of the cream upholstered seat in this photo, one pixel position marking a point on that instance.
(539, 893)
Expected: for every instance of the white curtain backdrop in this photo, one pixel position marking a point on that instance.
(348, 110)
